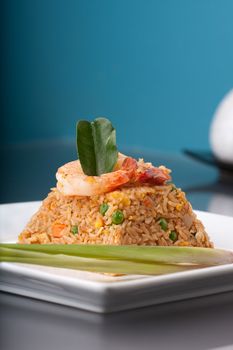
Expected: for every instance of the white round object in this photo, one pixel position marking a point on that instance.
(221, 130)
(221, 204)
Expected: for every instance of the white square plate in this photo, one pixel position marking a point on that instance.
(101, 293)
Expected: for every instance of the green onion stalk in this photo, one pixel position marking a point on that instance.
(145, 260)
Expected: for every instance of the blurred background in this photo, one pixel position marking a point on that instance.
(156, 68)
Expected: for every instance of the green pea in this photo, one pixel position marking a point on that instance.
(117, 217)
(163, 224)
(103, 208)
(173, 236)
(74, 229)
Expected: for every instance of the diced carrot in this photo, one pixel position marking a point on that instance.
(148, 202)
(57, 230)
(183, 244)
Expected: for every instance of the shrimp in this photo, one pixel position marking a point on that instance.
(71, 181)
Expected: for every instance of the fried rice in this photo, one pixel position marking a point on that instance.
(150, 215)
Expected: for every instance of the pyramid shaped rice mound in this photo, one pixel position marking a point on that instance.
(141, 215)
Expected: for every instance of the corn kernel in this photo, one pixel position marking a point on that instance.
(126, 201)
(105, 231)
(116, 194)
(99, 223)
(179, 206)
(90, 179)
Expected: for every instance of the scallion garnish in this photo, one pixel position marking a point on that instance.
(116, 259)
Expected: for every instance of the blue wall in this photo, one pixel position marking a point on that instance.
(156, 68)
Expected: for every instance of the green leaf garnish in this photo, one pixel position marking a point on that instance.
(96, 145)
